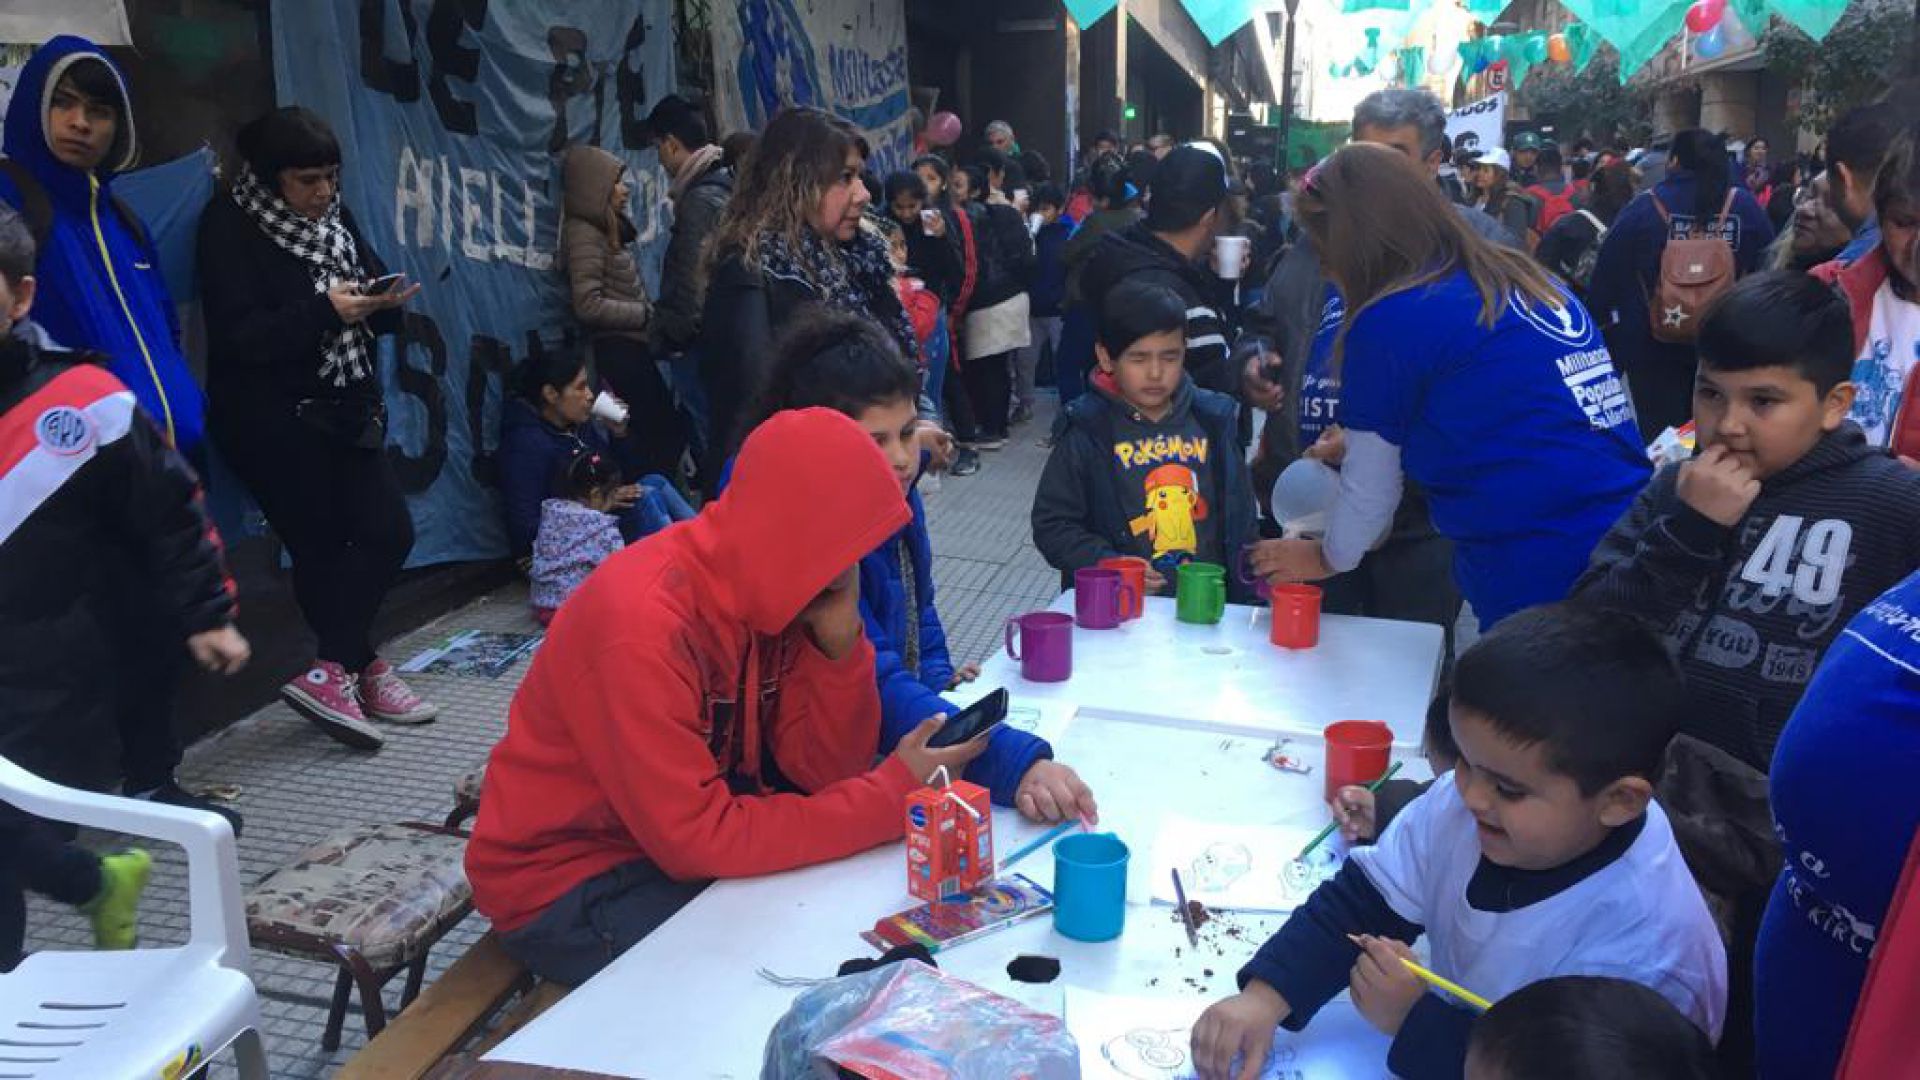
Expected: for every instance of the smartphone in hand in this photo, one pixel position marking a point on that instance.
(382, 285)
(973, 721)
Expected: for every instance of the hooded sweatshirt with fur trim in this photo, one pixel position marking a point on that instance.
(677, 714)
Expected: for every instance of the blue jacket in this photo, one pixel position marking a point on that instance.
(101, 287)
(531, 454)
(1629, 266)
(1049, 290)
(906, 699)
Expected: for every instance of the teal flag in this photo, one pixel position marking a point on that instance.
(1087, 12)
(1816, 17)
(1219, 19)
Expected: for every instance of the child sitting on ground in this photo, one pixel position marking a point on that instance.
(1149, 465)
(1542, 854)
(577, 531)
(846, 363)
(88, 480)
(1582, 1028)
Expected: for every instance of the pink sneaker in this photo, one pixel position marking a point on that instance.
(326, 696)
(385, 697)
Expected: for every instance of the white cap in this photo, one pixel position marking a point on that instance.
(1496, 156)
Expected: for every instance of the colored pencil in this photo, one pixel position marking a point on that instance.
(1186, 913)
(1332, 825)
(1044, 839)
(1438, 982)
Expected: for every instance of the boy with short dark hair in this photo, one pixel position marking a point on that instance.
(1751, 557)
(1046, 298)
(1541, 854)
(1149, 465)
(1580, 1028)
(87, 484)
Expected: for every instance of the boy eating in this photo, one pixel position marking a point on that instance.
(1751, 557)
(1541, 854)
(1150, 464)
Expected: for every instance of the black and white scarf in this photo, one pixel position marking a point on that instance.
(858, 277)
(331, 256)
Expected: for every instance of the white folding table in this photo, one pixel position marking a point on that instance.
(1182, 729)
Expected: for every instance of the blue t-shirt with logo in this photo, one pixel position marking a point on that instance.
(1521, 435)
(1319, 402)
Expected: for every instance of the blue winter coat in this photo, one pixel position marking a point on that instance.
(100, 282)
(907, 698)
(531, 454)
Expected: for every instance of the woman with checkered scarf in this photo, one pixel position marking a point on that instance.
(294, 298)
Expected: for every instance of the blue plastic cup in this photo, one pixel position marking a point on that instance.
(1090, 886)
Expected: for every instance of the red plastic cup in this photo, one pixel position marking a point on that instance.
(1134, 570)
(1358, 752)
(1296, 616)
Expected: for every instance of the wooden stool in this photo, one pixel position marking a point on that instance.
(372, 899)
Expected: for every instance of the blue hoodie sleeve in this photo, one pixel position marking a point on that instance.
(1756, 233)
(936, 664)
(1616, 272)
(526, 470)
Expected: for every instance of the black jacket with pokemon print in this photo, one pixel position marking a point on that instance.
(1749, 611)
(1091, 502)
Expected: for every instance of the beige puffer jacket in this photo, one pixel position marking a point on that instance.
(607, 295)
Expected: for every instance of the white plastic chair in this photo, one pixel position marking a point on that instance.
(143, 1012)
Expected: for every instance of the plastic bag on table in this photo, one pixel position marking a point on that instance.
(908, 1021)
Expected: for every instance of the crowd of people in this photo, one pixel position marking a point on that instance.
(1674, 753)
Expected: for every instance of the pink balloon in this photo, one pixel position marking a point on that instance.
(1705, 15)
(944, 129)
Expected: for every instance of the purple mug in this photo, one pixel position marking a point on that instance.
(1101, 598)
(1043, 643)
(1243, 568)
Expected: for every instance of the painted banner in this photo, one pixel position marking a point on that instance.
(846, 56)
(454, 115)
(1482, 124)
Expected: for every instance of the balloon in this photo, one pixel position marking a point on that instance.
(944, 129)
(1557, 49)
(1704, 15)
(1738, 36)
(1711, 44)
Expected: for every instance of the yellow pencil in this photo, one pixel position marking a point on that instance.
(1439, 982)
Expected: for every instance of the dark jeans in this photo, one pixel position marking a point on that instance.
(1071, 362)
(37, 855)
(691, 394)
(1409, 578)
(656, 434)
(597, 920)
(341, 514)
(990, 384)
(151, 654)
(958, 406)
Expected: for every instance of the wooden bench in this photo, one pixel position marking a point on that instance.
(456, 1013)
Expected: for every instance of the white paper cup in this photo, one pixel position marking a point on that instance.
(608, 408)
(1228, 253)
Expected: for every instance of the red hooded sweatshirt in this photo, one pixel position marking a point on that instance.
(631, 737)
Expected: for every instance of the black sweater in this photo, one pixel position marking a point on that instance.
(266, 327)
(1750, 610)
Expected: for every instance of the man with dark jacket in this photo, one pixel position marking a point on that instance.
(700, 187)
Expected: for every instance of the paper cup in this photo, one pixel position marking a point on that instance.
(1228, 252)
(608, 408)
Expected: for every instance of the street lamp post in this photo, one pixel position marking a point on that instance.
(1286, 89)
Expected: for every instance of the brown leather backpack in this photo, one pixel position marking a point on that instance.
(1694, 271)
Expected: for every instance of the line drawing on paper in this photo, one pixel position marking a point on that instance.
(1219, 865)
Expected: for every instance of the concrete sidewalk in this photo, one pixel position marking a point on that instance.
(297, 785)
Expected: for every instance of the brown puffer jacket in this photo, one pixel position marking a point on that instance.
(607, 295)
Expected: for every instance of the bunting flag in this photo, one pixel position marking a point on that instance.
(1816, 17)
(1220, 19)
(1087, 12)
(1352, 7)
(1583, 43)
(1413, 65)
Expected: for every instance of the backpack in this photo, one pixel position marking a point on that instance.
(1589, 256)
(1694, 272)
(1553, 206)
(38, 211)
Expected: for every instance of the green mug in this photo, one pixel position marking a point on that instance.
(1202, 593)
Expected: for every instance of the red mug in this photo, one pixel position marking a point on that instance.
(1296, 616)
(1358, 752)
(1134, 570)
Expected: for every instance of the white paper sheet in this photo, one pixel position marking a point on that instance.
(1143, 1038)
(1240, 867)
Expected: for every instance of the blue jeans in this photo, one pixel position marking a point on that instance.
(660, 504)
(683, 374)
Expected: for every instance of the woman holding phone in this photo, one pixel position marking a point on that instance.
(294, 298)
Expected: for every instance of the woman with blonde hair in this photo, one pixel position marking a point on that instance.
(790, 238)
(1464, 366)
